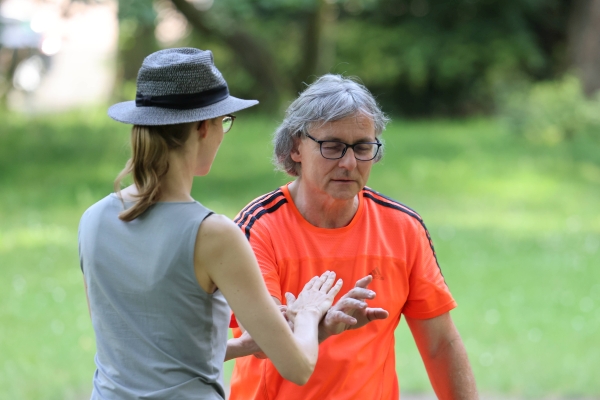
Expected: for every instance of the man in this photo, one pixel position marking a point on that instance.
(328, 219)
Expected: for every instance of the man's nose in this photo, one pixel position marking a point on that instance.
(348, 161)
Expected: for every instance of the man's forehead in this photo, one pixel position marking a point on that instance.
(357, 122)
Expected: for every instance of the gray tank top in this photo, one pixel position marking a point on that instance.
(159, 335)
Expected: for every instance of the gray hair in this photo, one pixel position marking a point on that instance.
(330, 98)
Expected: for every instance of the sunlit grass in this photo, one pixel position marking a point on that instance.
(516, 229)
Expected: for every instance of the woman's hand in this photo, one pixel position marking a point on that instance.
(317, 295)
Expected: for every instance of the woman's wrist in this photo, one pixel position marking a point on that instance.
(311, 313)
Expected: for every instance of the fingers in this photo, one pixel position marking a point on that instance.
(336, 289)
(335, 317)
(376, 313)
(283, 311)
(364, 282)
(347, 304)
(290, 298)
(360, 293)
(311, 283)
(323, 282)
(329, 277)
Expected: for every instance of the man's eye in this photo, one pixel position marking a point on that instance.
(363, 148)
(333, 146)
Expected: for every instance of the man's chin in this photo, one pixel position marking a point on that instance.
(348, 193)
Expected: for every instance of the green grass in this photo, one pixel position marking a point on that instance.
(516, 229)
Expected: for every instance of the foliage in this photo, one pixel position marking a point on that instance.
(420, 57)
(515, 225)
(551, 112)
(445, 57)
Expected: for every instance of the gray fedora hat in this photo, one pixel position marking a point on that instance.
(176, 86)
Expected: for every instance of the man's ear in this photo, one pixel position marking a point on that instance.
(202, 129)
(295, 152)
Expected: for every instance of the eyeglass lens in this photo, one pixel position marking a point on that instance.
(362, 151)
(227, 123)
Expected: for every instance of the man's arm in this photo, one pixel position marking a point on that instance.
(242, 347)
(445, 357)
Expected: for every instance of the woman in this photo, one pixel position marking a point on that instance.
(160, 269)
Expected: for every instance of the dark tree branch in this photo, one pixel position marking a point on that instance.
(584, 42)
(318, 51)
(253, 55)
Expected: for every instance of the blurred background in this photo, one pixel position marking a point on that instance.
(494, 140)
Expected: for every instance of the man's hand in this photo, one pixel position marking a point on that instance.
(351, 311)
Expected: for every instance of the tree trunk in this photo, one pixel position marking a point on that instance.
(253, 55)
(141, 44)
(584, 43)
(319, 43)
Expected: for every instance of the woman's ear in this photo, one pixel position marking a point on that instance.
(202, 129)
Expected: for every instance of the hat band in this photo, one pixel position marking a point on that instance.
(183, 101)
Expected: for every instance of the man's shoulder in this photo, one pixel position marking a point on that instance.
(389, 207)
(261, 208)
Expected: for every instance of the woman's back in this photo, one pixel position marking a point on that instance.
(158, 333)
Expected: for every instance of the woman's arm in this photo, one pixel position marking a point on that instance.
(223, 256)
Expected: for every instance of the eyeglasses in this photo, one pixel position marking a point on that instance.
(334, 150)
(228, 123)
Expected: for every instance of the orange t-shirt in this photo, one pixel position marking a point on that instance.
(385, 239)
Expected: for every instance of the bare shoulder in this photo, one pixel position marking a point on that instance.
(218, 234)
(218, 224)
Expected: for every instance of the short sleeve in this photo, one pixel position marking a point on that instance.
(428, 295)
(262, 246)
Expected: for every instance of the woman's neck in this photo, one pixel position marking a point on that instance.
(176, 184)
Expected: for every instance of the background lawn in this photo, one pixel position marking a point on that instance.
(516, 228)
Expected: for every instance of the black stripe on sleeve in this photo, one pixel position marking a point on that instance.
(396, 206)
(408, 209)
(252, 203)
(255, 218)
(262, 202)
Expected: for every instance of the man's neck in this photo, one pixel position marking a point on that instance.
(320, 209)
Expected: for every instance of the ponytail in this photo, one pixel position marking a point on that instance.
(149, 162)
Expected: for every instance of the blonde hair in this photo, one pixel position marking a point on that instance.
(149, 162)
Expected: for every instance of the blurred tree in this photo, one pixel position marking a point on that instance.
(233, 23)
(584, 43)
(419, 57)
(450, 56)
(252, 53)
(137, 21)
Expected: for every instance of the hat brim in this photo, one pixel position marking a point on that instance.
(128, 113)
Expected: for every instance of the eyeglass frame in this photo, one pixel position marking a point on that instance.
(233, 117)
(320, 142)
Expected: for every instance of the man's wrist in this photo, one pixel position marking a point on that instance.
(323, 333)
(248, 346)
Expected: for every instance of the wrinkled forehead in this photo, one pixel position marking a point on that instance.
(358, 122)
